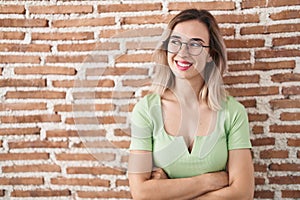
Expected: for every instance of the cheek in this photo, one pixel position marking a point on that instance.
(170, 58)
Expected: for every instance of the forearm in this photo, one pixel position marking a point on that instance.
(227, 193)
(181, 188)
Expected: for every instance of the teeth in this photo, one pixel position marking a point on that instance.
(184, 64)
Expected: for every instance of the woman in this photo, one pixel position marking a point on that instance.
(190, 140)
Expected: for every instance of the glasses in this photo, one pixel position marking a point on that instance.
(193, 47)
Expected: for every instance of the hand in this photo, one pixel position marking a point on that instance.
(158, 173)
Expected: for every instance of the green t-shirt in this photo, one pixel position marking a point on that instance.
(209, 153)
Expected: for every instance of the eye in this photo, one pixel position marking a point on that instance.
(175, 42)
(195, 44)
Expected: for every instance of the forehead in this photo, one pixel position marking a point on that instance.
(191, 29)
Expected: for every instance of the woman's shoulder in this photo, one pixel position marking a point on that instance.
(233, 106)
(147, 100)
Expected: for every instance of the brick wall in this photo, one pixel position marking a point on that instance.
(71, 71)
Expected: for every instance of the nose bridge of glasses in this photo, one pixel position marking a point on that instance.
(184, 49)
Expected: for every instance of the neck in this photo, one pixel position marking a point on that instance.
(188, 90)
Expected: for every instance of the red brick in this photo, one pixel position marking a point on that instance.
(261, 91)
(277, 28)
(276, 3)
(248, 103)
(230, 80)
(23, 23)
(19, 59)
(258, 130)
(267, 154)
(148, 19)
(61, 9)
(84, 107)
(286, 14)
(45, 70)
(98, 120)
(12, 35)
(116, 71)
(22, 83)
(287, 116)
(2, 193)
(292, 90)
(22, 106)
(264, 194)
(286, 41)
(293, 142)
(88, 157)
(35, 95)
(259, 181)
(104, 144)
(260, 167)
(227, 31)
(30, 118)
(40, 193)
(83, 22)
(31, 168)
(263, 66)
(277, 53)
(294, 194)
(12, 47)
(141, 45)
(133, 58)
(238, 55)
(24, 156)
(79, 133)
(21, 181)
(263, 141)
(121, 182)
(236, 18)
(285, 167)
(37, 144)
(63, 36)
(103, 95)
(284, 180)
(122, 132)
(94, 170)
(250, 43)
(252, 4)
(133, 7)
(77, 59)
(202, 5)
(20, 131)
(127, 108)
(131, 33)
(257, 117)
(12, 9)
(286, 77)
(104, 194)
(80, 181)
(284, 128)
(89, 46)
(84, 83)
(137, 83)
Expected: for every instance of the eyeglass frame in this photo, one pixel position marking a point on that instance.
(166, 44)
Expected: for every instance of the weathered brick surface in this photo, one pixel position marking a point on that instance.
(72, 71)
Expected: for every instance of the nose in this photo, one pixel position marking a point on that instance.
(183, 51)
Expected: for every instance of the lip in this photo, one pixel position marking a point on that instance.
(183, 65)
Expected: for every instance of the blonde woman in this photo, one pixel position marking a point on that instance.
(190, 140)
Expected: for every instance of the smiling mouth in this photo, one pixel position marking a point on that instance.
(183, 65)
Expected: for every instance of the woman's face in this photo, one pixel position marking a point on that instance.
(190, 60)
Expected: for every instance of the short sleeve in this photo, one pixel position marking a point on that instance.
(141, 127)
(237, 125)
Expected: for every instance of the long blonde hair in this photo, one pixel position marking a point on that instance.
(212, 92)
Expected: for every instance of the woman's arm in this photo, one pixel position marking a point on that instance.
(241, 178)
(145, 186)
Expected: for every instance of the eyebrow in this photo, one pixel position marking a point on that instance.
(195, 39)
